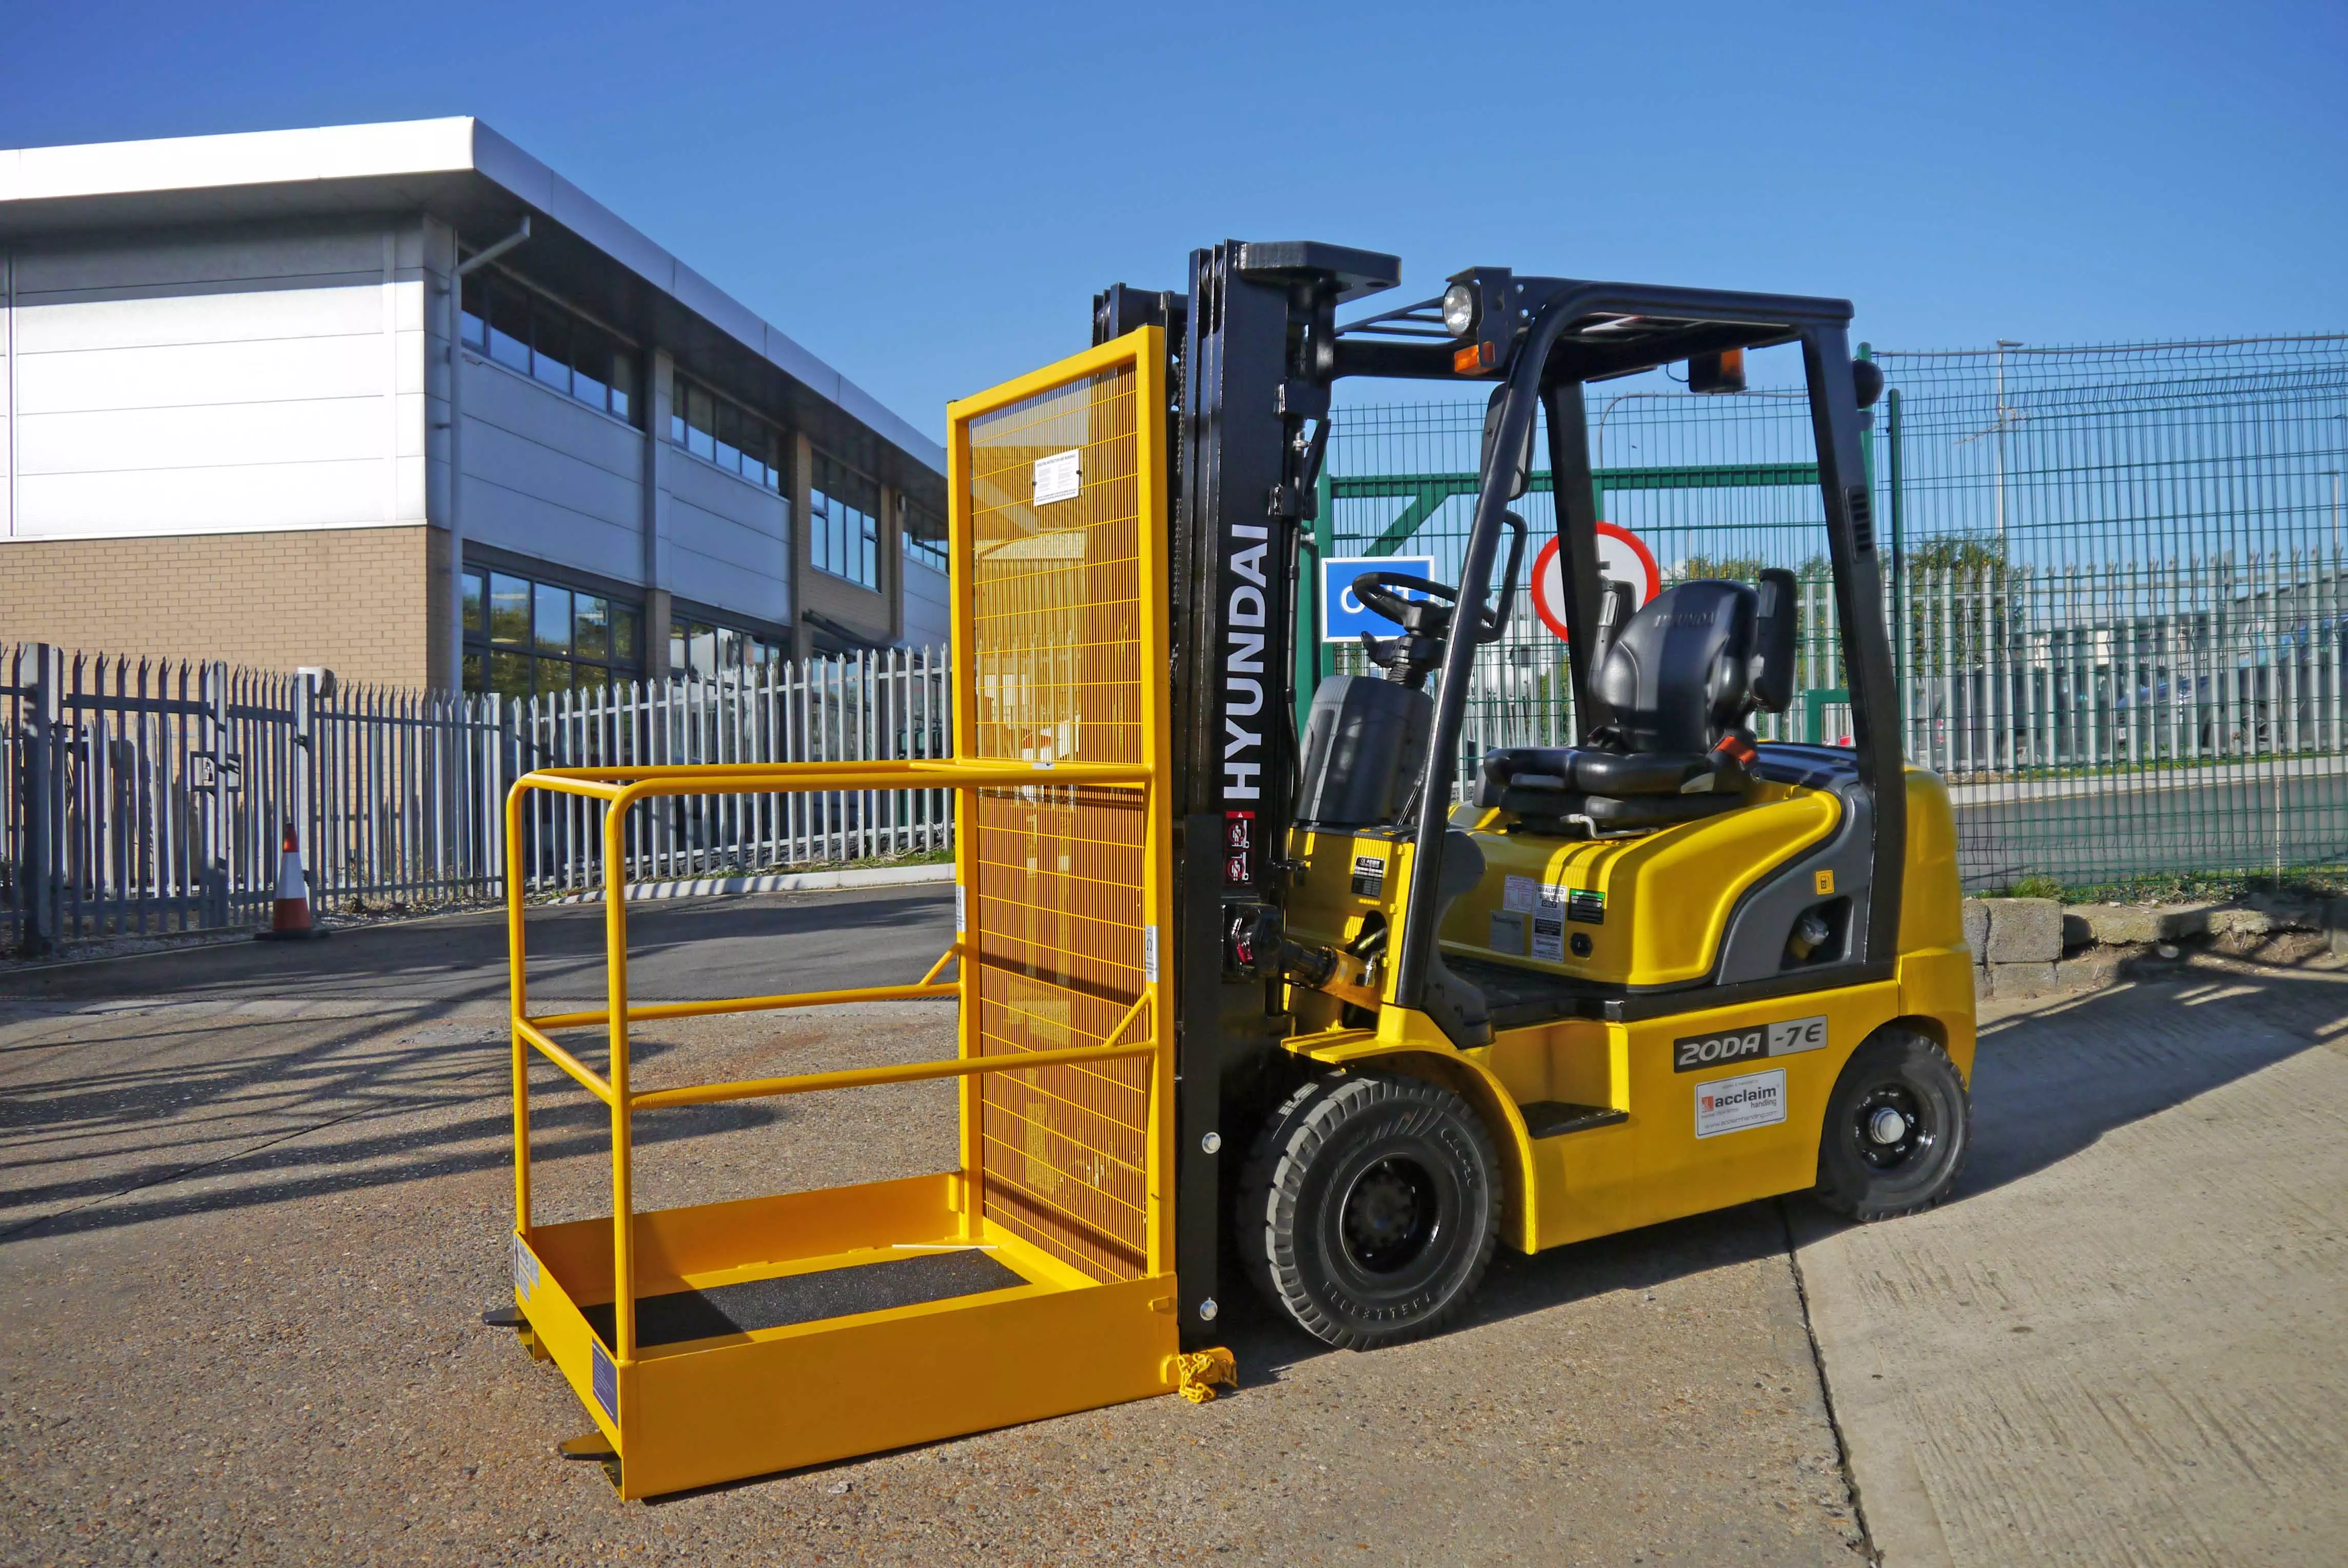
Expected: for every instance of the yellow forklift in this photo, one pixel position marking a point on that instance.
(1242, 996)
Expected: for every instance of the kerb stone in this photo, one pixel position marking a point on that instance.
(2024, 930)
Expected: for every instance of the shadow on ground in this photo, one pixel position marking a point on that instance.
(767, 943)
(2049, 1082)
(346, 1112)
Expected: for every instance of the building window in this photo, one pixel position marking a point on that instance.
(922, 536)
(844, 522)
(726, 433)
(524, 637)
(706, 651)
(523, 330)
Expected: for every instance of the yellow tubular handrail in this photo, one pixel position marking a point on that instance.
(619, 788)
(787, 778)
(615, 1007)
(859, 1077)
(1126, 1022)
(747, 1004)
(589, 1079)
(516, 1003)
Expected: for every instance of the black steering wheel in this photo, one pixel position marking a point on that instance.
(1431, 616)
(1381, 591)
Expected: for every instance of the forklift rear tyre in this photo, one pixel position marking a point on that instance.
(1896, 1130)
(1368, 1209)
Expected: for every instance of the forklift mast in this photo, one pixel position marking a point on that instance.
(1254, 350)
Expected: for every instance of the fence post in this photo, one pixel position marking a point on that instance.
(504, 771)
(301, 781)
(43, 786)
(213, 736)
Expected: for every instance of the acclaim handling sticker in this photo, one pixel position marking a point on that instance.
(1735, 1104)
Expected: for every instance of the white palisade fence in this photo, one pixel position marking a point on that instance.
(147, 796)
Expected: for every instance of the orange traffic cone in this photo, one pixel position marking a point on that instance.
(290, 921)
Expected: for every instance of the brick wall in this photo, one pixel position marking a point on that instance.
(356, 600)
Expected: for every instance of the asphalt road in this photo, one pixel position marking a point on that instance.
(2096, 835)
(249, 1209)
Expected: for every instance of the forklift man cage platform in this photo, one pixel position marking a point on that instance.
(729, 1339)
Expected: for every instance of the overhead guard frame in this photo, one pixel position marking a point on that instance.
(1547, 366)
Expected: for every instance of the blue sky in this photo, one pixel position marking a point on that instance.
(928, 196)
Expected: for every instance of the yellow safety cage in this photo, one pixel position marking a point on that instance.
(1063, 889)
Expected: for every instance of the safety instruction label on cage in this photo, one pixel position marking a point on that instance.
(525, 1269)
(1060, 477)
(1150, 954)
(1737, 1104)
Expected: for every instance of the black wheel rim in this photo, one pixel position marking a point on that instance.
(1389, 1216)
(1890, 1128)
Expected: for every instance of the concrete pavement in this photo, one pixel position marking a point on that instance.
(2294, 814)
(2126, 1344)
(249, 1215)
(250, 1200)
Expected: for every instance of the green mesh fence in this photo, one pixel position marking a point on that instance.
(2113, 575)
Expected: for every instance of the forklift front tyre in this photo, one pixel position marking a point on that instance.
(1897, 1129)
(1369, 1208)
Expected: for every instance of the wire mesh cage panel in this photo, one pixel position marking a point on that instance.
(1057, 917)
(1056, 880)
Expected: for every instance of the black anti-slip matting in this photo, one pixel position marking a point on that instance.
(806, 1297)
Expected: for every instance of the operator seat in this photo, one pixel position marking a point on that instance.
(1680, 680)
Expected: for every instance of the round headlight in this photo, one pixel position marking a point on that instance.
(1458, 310)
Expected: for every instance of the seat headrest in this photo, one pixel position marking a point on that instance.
(1689, 666)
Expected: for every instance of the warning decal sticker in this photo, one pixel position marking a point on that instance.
(606, 1378)
(1522, 895)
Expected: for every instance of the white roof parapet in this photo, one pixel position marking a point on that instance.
(407, 148)
(247, 157)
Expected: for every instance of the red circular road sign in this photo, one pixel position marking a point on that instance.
(1621, 555)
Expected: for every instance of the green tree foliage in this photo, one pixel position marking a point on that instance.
(1959, 602)
(1729, 569)
(1965, 554)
